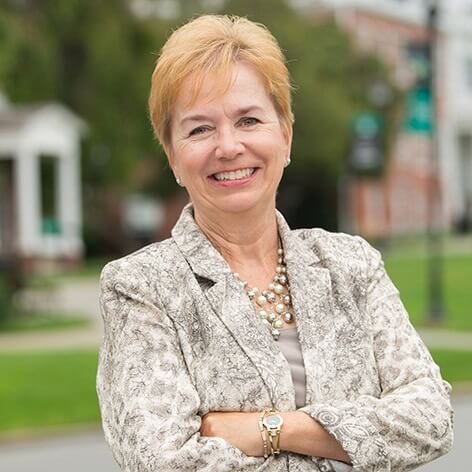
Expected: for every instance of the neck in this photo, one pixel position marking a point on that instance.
(245, 240)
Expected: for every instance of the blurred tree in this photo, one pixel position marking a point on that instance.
(97, 58)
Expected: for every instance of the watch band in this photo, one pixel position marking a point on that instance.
(272, 426)
(274, 439)
(264, 435)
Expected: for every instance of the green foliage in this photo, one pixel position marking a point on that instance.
(6, 297)
(95, 57)
(27, 59)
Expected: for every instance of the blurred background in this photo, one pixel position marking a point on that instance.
(382, 148)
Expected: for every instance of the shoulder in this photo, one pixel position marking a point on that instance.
(340, 251)
(136, 271)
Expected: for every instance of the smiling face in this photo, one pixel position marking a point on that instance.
(229, 151)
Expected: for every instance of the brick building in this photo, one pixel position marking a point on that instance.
(397, 203)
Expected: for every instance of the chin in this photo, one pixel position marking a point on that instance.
(240, 204)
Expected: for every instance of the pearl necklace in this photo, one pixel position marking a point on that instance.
(272, 304)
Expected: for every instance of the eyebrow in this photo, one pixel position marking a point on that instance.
(239, 111)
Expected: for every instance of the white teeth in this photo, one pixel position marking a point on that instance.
(238, 174)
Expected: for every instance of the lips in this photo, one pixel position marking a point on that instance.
(234, 175)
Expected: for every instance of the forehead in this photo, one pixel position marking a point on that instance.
(241, 85)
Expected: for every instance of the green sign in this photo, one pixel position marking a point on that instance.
(50, 226)
(419, 111)
(366, 153)
(367, 125)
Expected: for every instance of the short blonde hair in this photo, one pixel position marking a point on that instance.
(212, 44)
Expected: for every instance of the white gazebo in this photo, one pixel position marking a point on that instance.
(30, 136)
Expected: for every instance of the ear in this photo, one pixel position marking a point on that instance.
(176, 173)
(288, 135)
(171, 160)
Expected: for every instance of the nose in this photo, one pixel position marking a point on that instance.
(228, 143)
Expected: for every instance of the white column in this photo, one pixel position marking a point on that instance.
(28, 202)
(69, 201)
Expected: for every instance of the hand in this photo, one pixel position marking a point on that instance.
(240, 429)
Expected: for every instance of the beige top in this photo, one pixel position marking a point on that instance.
(290, 346)
(291, 349)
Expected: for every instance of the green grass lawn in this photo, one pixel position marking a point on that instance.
(47, 389)
(410, 276)
(52, 389)
(456, 366)
(43, 322)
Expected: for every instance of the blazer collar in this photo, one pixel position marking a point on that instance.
(207, 262)
(202, 256)
(235, 310)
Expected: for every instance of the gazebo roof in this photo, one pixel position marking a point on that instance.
(37, 123)
(15, 117)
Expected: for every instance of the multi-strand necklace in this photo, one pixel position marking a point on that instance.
(273, 304)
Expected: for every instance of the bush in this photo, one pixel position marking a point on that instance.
(10, 282)
(6, 298)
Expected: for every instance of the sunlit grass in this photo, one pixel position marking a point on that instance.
(410, 276)
(456, 366)
(47, 389)
(43, 389)
(42, 322)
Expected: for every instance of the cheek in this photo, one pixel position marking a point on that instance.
(192, 156)
(269, 144)
(272, 152)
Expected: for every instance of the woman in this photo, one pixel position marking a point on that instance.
(316, 369)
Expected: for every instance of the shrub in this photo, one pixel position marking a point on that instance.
(6, 298)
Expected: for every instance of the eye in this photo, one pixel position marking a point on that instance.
(198, 130)
(248, 121)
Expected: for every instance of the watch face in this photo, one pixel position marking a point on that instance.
(273, 421)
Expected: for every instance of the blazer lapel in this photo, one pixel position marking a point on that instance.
(319, 318)
(312, 299)
(230, 303)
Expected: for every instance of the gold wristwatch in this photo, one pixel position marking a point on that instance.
(273, 423)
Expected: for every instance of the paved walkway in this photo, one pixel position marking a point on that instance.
(442, 339)
(80, 338)
(75, 297)
(72, 452)
(78, 295)
(91, 336)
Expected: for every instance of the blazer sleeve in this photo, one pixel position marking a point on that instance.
(148, 403)
(411, 423)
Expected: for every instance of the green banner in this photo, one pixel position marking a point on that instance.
(419, 111)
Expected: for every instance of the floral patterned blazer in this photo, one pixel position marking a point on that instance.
(181, 338)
